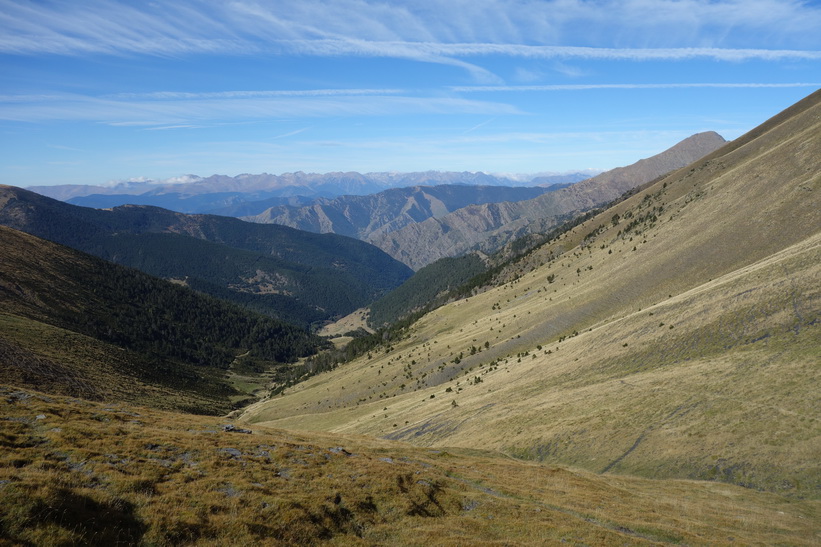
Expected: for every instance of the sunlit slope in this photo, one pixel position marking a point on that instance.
(677, 339)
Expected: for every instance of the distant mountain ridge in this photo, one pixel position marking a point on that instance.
(369, 217)
(223, 194)
(283, 272)
(490, 226)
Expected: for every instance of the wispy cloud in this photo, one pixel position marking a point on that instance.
(182, 95)
(292, 133)
(439, 51)
(526, 151)
(582, 87)
(477, 126)
(171, 127)
(189, 69)
(185, 109)
(425, 30)
(64, 147)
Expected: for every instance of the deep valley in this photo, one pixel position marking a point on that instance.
(629, 359)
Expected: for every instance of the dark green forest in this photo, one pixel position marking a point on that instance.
(293, 292)
(424, 289)
(300, 277)
(176, 330)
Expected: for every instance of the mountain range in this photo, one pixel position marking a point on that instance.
(370, 217)
(249, 194)
(420, 224)
(421, 218)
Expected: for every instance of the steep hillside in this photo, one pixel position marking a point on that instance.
(426, 289)
(488, 227)
(277, 270)
(450, 279)
(674, 335)
(369, 217)
(77, 325)
(80, 473)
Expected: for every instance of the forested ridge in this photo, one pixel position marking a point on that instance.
(285, 273)
(122, 306)
(296, 293)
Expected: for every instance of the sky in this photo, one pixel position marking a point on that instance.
(96, 92)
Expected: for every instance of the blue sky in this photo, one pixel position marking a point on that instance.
(99, 91)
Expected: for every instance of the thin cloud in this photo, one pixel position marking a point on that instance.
(64, 147)
(426, 30)
(423, 51)
(477, 126)
(181, 95)
(582, 87)
(170, 127)
(199, 108)
(141, 123)
(292, 133)
(447, 142)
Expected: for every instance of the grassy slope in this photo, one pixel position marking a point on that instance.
(731, 263)
(76, 472)
(63, 362)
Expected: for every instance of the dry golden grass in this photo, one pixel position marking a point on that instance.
(76, 472)
(351, 322)
(686, 346)
(746, 414)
